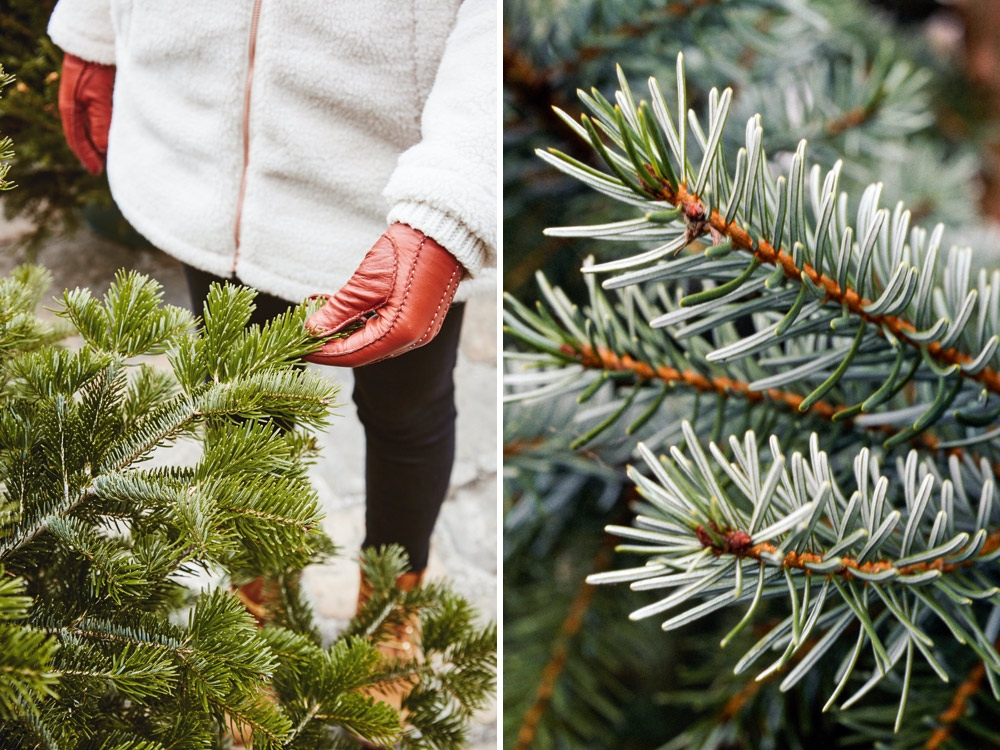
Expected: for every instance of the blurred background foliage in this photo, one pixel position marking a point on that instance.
(58, 194)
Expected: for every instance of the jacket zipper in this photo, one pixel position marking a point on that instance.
(246, 129)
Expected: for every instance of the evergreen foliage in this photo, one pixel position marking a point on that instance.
(118, 625)
(800, 375)
(834, 71)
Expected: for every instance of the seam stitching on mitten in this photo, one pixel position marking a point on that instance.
(434, 325)
(406, 295)
(402, 304)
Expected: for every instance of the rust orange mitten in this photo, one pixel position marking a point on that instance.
(85, 90)
(397, 298)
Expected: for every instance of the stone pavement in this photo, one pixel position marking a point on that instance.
(464, 546)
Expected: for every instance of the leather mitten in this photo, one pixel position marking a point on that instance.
(399, 295)
(85, 90)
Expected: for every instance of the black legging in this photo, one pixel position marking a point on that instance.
(407, 407)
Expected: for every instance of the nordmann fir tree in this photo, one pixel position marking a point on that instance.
(807, 383)
(104, 640)
(104, 644)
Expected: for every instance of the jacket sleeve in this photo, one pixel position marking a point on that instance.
(84, 28)
(445, 185)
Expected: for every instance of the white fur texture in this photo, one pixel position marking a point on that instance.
(361, 114)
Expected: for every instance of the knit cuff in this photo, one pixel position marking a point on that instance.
(84, 29)
(451, 234)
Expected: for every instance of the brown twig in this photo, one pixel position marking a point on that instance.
(852, 118)
(513, 448)
(959, 703)
(735, 704)
(536, 89)
(902, 329)
(969, 687)
(560, 652)
(739, 543)
(605, 359)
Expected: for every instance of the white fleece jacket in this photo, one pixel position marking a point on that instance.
(277, 139)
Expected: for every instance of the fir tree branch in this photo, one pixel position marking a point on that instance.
(23, 538)
(106, 632)
(311, 713)
(304, 527)
(168, 420)
(101, 544)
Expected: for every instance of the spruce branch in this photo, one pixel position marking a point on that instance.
(616, 341)
(877, 96)
(740, 283)
(877, 295)
(549, 51)
(713, 531)
(848, 299)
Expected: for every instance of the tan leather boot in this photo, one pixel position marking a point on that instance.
(405, 640)
(258, 596)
